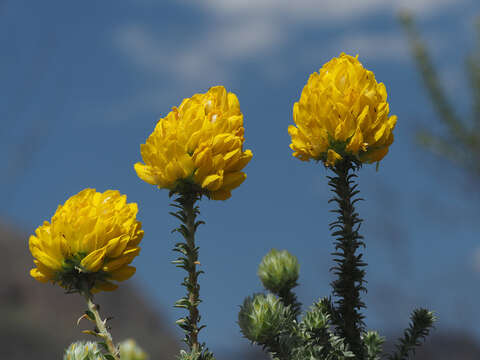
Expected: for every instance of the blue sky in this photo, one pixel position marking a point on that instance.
(83, 84)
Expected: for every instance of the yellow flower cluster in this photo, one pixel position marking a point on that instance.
(90, 240)
(199, 143)
(342, 111)
(198, 146)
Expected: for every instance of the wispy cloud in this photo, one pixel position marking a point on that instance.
(208, 56)
(204, 60)
(182, 61)
(239, 31)
(378, 46)
(326, 10)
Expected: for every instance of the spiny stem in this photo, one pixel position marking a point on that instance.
(189, 260)
(421, 323)
(100, 324)
(288, 298)
(194, 294)
(349, 264)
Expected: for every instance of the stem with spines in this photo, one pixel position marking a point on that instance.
(188, 260)
(101, 328)
(289, 298)
(421, 323)
(349, 264)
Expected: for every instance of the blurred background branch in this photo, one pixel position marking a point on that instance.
(461, 142)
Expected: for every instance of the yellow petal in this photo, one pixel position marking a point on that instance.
(362, 119)
(138, 235)
(212, 182)
(124, 273)
(332, 157)
(125, 259)
(343, 131)
(233, 103)
(377, 155)
(173, 172)
(144, 172)
(233, 180)
(219, 142)
(220, 195)
(116, 246)
(232, 156)
(204, 160)
(241, 163)
(292, 129)
(379, 133)
(37, 275)
(94, 261)
(49, 273)
(187, 164)
(33, 242)
(46, 259)
(356, 142)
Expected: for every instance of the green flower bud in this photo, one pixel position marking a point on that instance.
(279, 271)
(373, 343)
(315, 321)
(262, 317)
(129, 350)
(204, 354)
(81, 350)
(188, 356)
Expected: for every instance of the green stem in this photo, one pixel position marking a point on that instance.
(101, 325)
(288, 298)
(189, 260)
(348, 269)
(194, 293)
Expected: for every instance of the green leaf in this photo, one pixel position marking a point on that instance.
(90, 315)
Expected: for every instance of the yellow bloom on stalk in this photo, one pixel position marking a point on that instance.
(342, 111)
(89, 242)
(198, 144)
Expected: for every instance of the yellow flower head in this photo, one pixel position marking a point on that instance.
(90, 241)
(342, 111)
(198, 144)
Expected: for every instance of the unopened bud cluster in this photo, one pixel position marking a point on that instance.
(279, 271)
(262, 317)
(129, 350)
(81, 350)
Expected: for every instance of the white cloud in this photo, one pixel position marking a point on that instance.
(241, 30)
(209, 55)
(279, 14)
(245, 38)
(376, 46)
(325, 10)
(144, 49)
